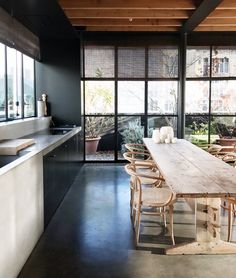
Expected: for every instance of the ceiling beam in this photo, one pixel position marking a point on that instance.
(126, 22)
(134, 4)
(215, 29)
(205, 8)
(131, 28)
(219, 22)
(128, 13)
(151, 15)
(227, 4)
(223, 14)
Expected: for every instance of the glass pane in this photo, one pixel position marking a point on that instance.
(19, 84)
(99, 61)
(197, 97)
(10, 79)
(162, 62)
(2, 83)
(158, 122)
(29, 96)
(223, 127)
(223, 97)
(162, 97)
(82, 96)
(131, 62)
(196, 129)
(129, 131)
(198, 62)
(130, 97)
(99, 97)
(99, 141)
(82, 63)
(223, 61)
(14, 82)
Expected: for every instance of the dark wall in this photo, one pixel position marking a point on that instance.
(58, 75)
(44, 18)
(130, 38)
(212, 38)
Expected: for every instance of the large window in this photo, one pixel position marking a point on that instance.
(128, 91)
(17, 89)
(210, 102)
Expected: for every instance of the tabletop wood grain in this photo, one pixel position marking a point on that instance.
(192, 172)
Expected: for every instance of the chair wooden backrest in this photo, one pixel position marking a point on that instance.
(134, 147)
(211, 148)
(137, 156)
(230, 158)
(136, 177)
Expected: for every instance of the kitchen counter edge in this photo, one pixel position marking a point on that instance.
(43, 144)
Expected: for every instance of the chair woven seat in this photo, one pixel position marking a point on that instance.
(154, 196)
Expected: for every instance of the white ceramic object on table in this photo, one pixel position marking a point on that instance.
(166, 132)
(174, 140)
(162, 138)
(167, 141)
(156, 136)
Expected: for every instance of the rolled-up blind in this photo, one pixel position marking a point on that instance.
(15, 35)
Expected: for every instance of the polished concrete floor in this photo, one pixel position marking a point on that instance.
(91, 236)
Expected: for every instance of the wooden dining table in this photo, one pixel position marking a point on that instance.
(203, 180)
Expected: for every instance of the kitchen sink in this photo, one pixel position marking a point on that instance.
(59, 131)
(54, 131)
(6, 159)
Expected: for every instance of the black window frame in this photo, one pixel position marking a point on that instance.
(7, 118)
(144, 116)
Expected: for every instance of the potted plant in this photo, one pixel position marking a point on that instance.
(227, 134)
(91, 135)
(95, 128)
(132, 132)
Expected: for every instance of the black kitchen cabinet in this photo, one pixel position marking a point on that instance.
(60, 168)
(75, 155)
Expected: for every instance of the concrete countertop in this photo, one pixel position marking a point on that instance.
(44, 143)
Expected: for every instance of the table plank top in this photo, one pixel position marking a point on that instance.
(192, 172)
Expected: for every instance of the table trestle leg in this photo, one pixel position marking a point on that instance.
(207, 224)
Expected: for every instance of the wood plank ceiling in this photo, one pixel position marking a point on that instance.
(151, 15)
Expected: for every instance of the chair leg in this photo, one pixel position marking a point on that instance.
(138, 225)
(230, 216)
(134, 217)
(131, 203)
(224, 206)
(171, 208)
(164, 216)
